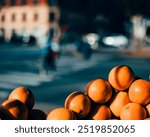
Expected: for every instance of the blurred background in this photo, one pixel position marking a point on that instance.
(55, 47)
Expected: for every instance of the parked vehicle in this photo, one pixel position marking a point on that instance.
(118, 41)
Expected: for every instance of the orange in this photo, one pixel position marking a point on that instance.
(60, 114)
(119, 100)
(36, 114)
(121, 77)
(79, 103)
(148, 109)
(133, 111)
(139, 92)
(99, 91)
(24, 95)
(88, 85)
(101, 112)
(15, 109)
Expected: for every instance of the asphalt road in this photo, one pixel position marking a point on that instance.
(20, 67)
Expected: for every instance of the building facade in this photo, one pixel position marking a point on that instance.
(29, 18)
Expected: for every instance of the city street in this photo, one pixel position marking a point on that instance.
(21, 67)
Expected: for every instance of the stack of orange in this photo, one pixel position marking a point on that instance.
(19, 106)
(123, 96)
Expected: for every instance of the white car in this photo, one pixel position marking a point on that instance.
(119, 41)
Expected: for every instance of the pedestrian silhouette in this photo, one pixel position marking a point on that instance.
(49, 61)
(84, 49)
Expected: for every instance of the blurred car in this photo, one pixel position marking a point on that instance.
(92, 39)
(16, 39)
(29, 40)
(19, 40)
(118, 41)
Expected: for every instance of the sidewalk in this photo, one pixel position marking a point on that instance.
(145, 52)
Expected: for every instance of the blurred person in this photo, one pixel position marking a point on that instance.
(84, 49)
(49, 60)
(147, 37)
(51, 50)
(138, 32)
(55, 36)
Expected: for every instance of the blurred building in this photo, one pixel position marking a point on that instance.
(36, 18)
(139, 29)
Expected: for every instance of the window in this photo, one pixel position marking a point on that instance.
(24, 17)
(35, 17)
(52, 17)
(13, 17)
(3, 18)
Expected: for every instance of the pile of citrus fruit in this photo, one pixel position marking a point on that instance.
(19, 106)
(123, 96)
